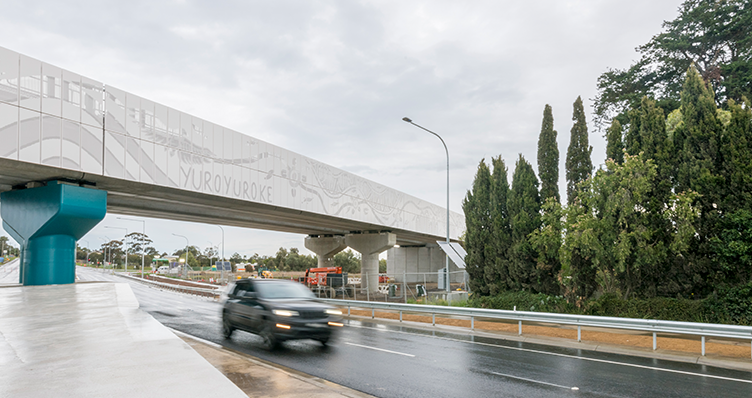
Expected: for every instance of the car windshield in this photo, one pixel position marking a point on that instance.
(275, 290)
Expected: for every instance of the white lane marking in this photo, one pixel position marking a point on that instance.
(380, 349)
(576, 357)
(535, 381)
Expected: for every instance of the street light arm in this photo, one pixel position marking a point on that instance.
(408, 120)
(438, 136)
(186, 247)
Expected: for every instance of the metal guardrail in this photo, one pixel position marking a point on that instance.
(644, 325)
(214, 293)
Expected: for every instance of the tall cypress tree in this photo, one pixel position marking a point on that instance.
(648, 136)
(476, 207)
(732, 243)
(736, 159)
(548, 157)
(524, 214)
(696, 143)
(579, 165)
(497, 275)
(614, 143)
(700, 139)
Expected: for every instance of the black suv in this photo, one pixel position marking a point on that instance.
(278, 310)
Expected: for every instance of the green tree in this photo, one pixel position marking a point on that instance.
(548, 157)
(113, 250)
(697, 143)
(476, 207)
(279, 261)
(136, 240)
(614, 228)
(524, 215)
(236, 258)
(382, 266)
(348, 260)
(496, 273)
(614, 143)
(733, 247)
(731, 242)
(736, 159)
(579, 165)
(192, 256)
(299, 262)
(546, 241)
(647, 137)
(713, 35)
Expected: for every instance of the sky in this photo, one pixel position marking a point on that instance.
(333, 79)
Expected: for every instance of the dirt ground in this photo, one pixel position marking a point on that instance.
(713, 347)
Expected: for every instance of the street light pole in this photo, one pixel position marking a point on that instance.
(186, 253)
(407, 119)
(223, 243)
(143, 235)
(212, 257)
(104, 254)
(125, 243)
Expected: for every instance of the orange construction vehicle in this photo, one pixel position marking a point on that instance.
(326, 276)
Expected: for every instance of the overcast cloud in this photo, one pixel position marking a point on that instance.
(332, 79)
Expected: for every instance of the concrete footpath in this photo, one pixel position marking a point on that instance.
(93, 340)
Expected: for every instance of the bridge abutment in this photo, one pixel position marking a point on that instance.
(47, 221)
(325, 247)
(370, 245)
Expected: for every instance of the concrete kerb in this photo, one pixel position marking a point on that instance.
(677, 356)
(303, 377)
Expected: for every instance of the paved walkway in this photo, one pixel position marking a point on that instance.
(92, 340)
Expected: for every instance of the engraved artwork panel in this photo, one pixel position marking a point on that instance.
(152, 143)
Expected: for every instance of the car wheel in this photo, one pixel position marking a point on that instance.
(227, 328)
(324, 342)
(270, 342)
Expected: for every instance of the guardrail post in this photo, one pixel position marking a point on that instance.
(703, 345)
(520, 328)
(655, 342)
(400, 315)
(433, 319)
(373, 313)
(472, 323)
(348, 310)
(579, 333)
(404, 285)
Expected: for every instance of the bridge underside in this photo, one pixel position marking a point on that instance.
(138, 199)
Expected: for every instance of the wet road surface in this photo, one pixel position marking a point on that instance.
(393, 361)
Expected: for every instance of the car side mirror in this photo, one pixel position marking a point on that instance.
(249, 296)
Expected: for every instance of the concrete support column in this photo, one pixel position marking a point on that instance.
(370, 245)
(47, 221)
(325, 247)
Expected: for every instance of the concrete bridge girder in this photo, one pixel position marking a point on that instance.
(370, 245)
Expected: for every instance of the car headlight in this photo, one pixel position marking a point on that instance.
(333, 312)
(285, 313)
